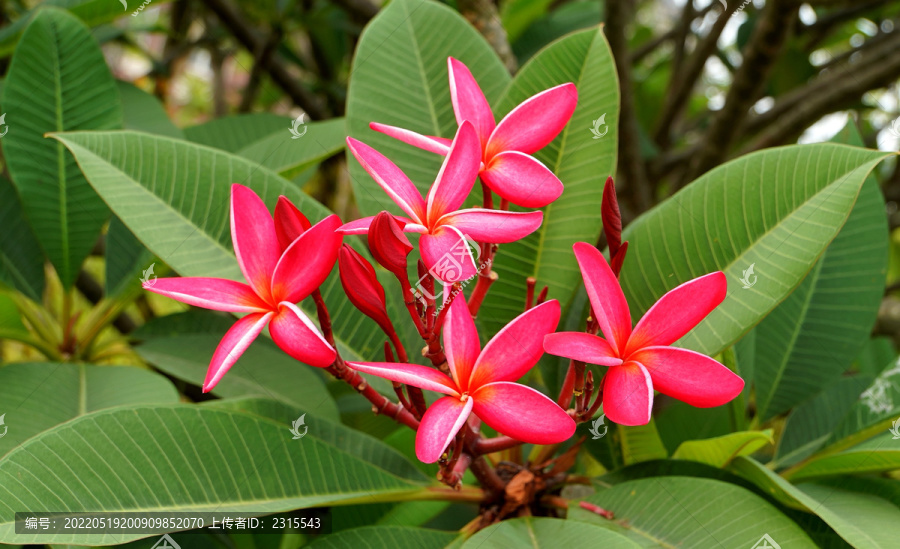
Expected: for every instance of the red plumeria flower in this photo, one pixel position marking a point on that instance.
(284, 261)
(641, 360)
(507, 165)
(442, 225)
(482, 382)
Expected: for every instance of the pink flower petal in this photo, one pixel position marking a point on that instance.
(254, 238)
(217, 294)
(607, 300)
(461, 343)
(390, 178)
(535, 122)
(493, 225)
(522, 179)
(688, 376)
(677, 312)
(581, 346)
(468, 100)
(457, 175)
(361, 226)
(429, 143)
(628, 394)
(289, 222)
(297, 336)
(439, 425)
(410, 374)
(522, 413)
(517, 347)
(233, 344)
(447, 254)
(307, 262)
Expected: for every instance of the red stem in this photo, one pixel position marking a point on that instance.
(530, 283)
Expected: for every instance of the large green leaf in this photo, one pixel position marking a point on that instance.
(385, 537)
(691, 512)
(233, 133)
(580, 161)
(177, 458)
(73, 390)
(57, 81)
(641, 443)
(849, 513)
(810, 339)
(719, 451)
(776, 210)
(876, 455)
(21, 260)
(399, 77)
(542, 532)
(288, 156)
(145, 113)
(174, 196)
(263, 369)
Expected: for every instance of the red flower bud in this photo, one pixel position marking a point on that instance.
(289, 222)
(362, 287)
(612, 218)
(388, 244)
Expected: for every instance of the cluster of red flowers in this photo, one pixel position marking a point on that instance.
(286, 258)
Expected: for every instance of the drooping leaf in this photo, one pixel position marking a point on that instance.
(385, 537)
(21, 260)
(142, 178)
(57, 81)
(719, 451)
(400, 78)
(281, 152)
(776, 210)
(847, 512)
(876, 455)
(181, 456)
(691, 512)
(581, 162)
(74, 390)
(542, 532)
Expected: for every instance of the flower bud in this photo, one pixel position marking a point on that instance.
(289, 222)
(388, 244)
(362, 287)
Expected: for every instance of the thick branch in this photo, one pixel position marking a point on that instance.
(250, 38)
(760, 54)
(631, 166)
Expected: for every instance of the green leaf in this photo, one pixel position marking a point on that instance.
(143, 179)
(74, 390)
(680, 422)
(848, 513)
(876, 455)
(810, 339)
(400, 78)
(233, 133)
(181, 457)
(143, 112)
(21, 260)
(282, 153)
(641, 443)
(385, 537)
(263, 370)
(126, 258)
(349, 440)
(542, 532)
(876, 355)
(57, 81)
(691, 512)
(581, 162)
(776, 209)
(518, 15)
(719, 451)
(567, 18)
